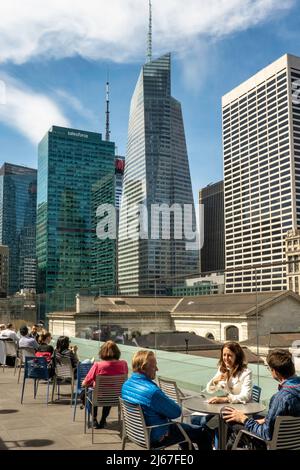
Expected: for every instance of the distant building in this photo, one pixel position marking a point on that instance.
(292, 250)
(157, 172)
(18, 190)
(212, 254)
(4, 270)
(76, 170)
(261, 129)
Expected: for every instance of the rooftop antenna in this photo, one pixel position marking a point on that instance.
(107, 130)
(149, 49)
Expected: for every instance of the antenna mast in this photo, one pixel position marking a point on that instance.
(149, 51)
(107, 130)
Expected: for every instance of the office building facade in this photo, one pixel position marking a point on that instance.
(18, 190)
(75, 176)
(261, 145)
(212, 254)
(156, 172)
(4, 270)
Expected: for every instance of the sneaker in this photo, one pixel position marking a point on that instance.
(95, 424)
(102, 424)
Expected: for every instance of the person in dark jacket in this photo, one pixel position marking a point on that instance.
(158, 408)
(286, 402)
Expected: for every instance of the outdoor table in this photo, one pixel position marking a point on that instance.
(201, 405)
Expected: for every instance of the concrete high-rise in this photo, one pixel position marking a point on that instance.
(18, 224)
(76, 172)
(212, 254)
(156, 172)
(261, 139)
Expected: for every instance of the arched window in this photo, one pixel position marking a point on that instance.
(209, 336)
(232, 333)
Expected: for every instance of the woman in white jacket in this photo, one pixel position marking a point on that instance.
(233, 377)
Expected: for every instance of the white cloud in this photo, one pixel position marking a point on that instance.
(30, 113)
(116, 29)
(66, 98)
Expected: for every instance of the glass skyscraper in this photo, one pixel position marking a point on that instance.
(18, 224)
(75, 175)
(156, 172)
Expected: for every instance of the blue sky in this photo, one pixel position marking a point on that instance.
(54, 64)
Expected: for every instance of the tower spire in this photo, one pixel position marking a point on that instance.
(107, 129)
(149, 48)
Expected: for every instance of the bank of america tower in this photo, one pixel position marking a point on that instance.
(156, 174)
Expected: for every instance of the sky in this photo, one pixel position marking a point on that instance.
(55, 57)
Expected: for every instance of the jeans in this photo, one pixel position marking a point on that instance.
(197, 434)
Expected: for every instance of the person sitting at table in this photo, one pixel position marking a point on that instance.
(34, 333)
(110, 364)
(157, 407)
(8, 332)
(63, 349)
(45, 349)
(286, 402)
(25, 340)
(233, 378)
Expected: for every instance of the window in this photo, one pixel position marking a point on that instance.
(232, 333)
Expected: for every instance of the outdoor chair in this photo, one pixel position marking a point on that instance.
(256, 392)
(9, 349)
(136, 431)
(286, 435)
(20, 359)
(63, 373)
(170, 388)
(106, 392)
(82, 370)
(36, 368)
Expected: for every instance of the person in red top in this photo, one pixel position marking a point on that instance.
(110, 364)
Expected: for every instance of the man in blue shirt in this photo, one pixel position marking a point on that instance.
(158, 408)
(286, 402)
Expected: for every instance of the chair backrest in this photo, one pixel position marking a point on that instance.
(63, 368)
(256, 392)
(169, 387)
(25, 352)
(286, 434)
(107, 389)
(36, 368)
(134, 426)
(82, 370)
(10, 348)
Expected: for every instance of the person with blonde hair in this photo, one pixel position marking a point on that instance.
(157, 407)
(110, 364)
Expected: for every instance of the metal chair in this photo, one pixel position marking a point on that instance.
(106, 392)
(9, 349)
(170, 388)
(82, 370)
(256, 392)
(63, 372)
(20, 359)
(286, 435)
(136, 431)
(35, 368)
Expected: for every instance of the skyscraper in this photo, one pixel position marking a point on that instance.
(212, 254)
(261, 136)
(156, 172)
(18, 224)
(75, 175)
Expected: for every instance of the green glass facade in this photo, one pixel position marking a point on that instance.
(72, 164)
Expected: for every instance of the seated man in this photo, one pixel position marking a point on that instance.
(158, 408)
(26, 341)
(286, 402)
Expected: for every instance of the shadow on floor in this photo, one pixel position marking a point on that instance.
(8, 412)
(28, 443)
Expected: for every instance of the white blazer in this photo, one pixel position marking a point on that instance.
(238, 389)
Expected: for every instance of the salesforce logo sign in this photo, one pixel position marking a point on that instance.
(78, 134)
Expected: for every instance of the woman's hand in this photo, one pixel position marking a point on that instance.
(218, 400)
(219, 379)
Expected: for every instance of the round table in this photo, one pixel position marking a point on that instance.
(201, 405)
